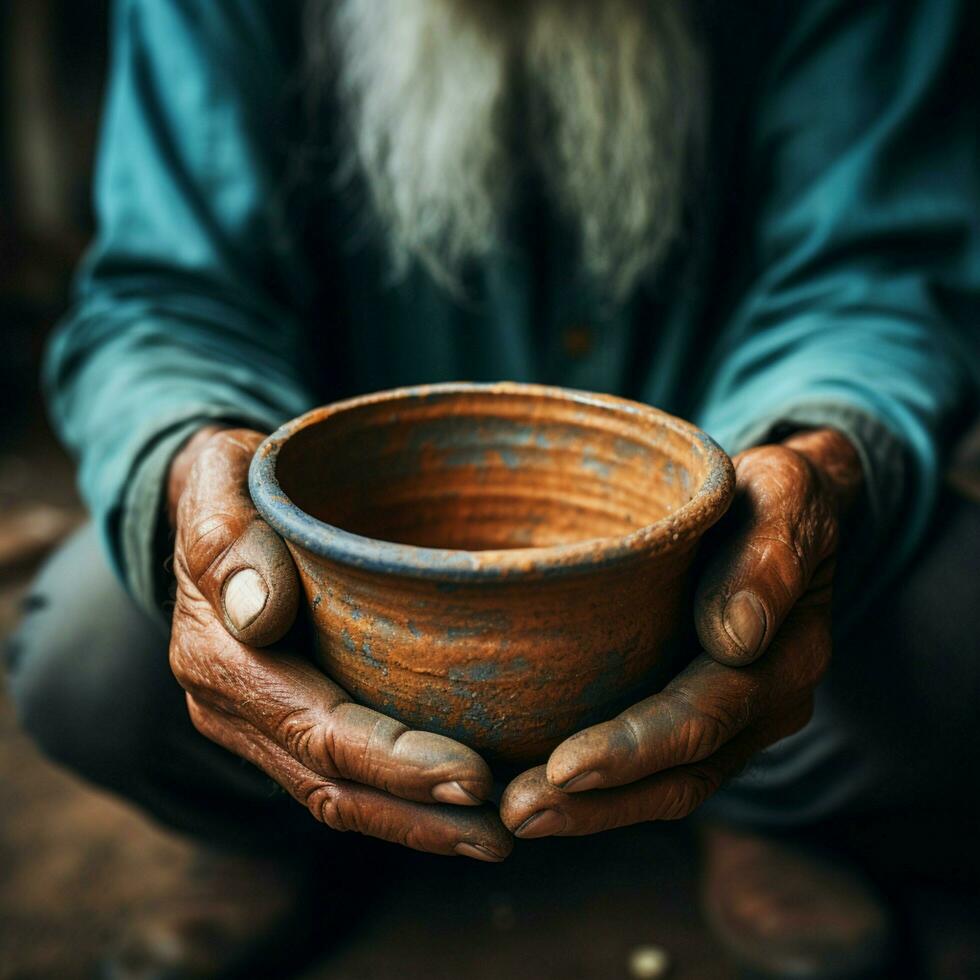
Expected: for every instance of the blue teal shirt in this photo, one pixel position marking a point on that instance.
(830, 274)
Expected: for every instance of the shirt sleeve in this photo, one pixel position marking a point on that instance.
(862, 297)
(184, 306)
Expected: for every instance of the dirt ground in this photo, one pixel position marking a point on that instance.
(75, 864)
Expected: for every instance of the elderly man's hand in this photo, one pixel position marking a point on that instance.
(765, 590)
(355, 769)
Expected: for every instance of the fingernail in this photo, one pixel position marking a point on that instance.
(454, 793)
(583, 781)
(745, 621)
(245, 597)
(544, 823)
(478, 851)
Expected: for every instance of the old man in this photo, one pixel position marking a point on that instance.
(760, 216)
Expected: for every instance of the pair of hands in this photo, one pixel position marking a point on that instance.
(762, 612)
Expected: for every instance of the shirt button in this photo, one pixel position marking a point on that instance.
(577, 341)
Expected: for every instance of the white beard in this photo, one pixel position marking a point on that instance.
(616, 96)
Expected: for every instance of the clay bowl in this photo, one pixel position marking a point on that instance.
(500, 563)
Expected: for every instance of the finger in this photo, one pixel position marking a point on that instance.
(314, 720)
(320, 726)
(781, 528)
(704, 707)
(532, 807)
(346, 806)
(231, 556)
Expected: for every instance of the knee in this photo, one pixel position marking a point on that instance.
(79, 704)
(84, 673)
(39, 678)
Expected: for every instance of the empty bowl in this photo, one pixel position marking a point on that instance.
(501, 563)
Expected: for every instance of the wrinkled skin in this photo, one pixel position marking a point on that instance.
(764, 655)
(353, 768)
(356, 769)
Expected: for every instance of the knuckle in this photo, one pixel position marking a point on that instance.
(325, 800)
(185, 514)
(829, 527)
(206, 722)
(381, 735)
(625, 735)
(700, 736)
(206, 541)
(818, 534)
(687, 793)
(701, 730)
(192, 617)
(417, 838)
(304, 739)
(200, 718)
(602, 820)
(178, 662)
(778, 473)
(360, 744)
(780, 549)
(208, 675)
(788, 495)
(217, 450)
(199, 667)
(182, 666)
(790, 564)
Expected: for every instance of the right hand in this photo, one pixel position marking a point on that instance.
(353, 768)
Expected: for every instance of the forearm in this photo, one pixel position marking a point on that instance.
(189, 311)
(129, 389)
(861, 262)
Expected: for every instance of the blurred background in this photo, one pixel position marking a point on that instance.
(74, 864)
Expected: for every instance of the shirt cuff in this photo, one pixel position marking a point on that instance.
(146, 542)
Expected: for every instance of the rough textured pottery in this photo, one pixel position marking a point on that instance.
(500, 563)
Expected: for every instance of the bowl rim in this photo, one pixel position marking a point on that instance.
(672, 532)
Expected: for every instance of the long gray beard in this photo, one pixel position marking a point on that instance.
(617, 102)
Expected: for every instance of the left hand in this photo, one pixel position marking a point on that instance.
(765, 590)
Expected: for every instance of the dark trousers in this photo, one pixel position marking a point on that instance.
(896, 725)
(89, 676)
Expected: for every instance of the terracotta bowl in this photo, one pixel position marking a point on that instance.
(500, 563)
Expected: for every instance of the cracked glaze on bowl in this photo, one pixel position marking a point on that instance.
(501, 563)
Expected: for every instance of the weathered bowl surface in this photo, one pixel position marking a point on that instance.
(500, 563)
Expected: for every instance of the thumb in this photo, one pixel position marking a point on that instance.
(253, 586)
(227, 553)
(780, 533)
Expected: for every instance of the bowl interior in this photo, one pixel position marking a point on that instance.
(490, 469)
